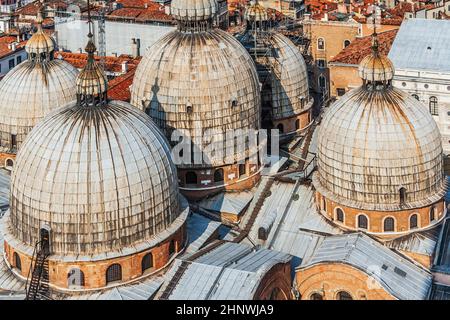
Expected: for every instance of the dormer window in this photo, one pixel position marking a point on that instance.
(234, 102)
(189, 108)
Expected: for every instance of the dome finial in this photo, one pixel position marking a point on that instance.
(92, 83)
(194, 15)
(256, 13)
(40, 47)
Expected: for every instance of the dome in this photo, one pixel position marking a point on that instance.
(193, 10)
(376, 141)
(33, 89)
(40, 42)
(289, 94)
(203, 80)
(256, 12)
(100, 177)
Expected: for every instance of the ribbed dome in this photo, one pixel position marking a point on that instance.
(373, 142)
(256, 12)
(376, 68)
(100, 176)
(91, 80)
(203, 80)
(289, 82)
(29, 92)
(193, 10)
(40, 42)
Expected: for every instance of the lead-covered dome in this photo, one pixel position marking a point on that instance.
(256, 12)
(98, 174)
(193, 10)
(379, 148)
(33, 89)
(199, 81)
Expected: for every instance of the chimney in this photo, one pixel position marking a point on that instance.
(18, 37)
(13, 46)
(124, 66)
(135, 47)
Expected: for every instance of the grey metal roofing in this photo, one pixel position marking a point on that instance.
(422, 242)
(200, 230)
(400, 277)
(4, 190)
(298, 228)
(440, 292)
(410, 47)
(229, 202)
(231, 271)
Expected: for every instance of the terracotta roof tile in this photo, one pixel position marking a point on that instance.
(112, 64)
(4, 45)
(361, 47)
(119, 88)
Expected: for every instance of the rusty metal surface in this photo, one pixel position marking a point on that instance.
(100, 177)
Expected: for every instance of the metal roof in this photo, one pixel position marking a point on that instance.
(228, 202)
(200, 230)
(4, 190)
(231, 271)
(422, 242)
(400, 277)
(422, 44)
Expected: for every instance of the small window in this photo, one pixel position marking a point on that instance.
(413, 221)
(218, 175)
(434, 110)
(316, 296)
(340, 92)
(362, 222)
(280, 127)
(402, 195)
(324, 204)
(114, 273)
(241, 170)
(344, 295)
(75, 278)
(346, 43)
(11, 64)
(415, 96)
(321, 44)
(234, 103)
(297, 124)
(17, 261)
(322, 82)
(9, 163)
(339, 215)
(189, 108)
(321, 63)
(13, 141)
(147, 262)
(191, 177)
(432, 214)
(19, 59)
(172, 248)
(389, 225)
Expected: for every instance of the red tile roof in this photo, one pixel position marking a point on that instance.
(119, 88)
(4, 45)
(112, 64)
(126, 13)
(361, 47)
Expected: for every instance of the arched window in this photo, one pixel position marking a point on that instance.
(432, 214)
(415, 96)
(346, 43)
(402, 192)
(9, 163)
(191, 177)
(363, 223)
(17, 261)
(218, 175)
(147, 262)
(339, 215)
(114, 273)
(343, 295)
(434, 110)
(241, 170)
(75, 278)
(297, 124)
(413, 221)
(280, 127)
(321, 44)
(389, 225)
(316, 296)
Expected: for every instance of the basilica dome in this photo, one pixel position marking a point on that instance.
(256, 12)
(379, 149)
(33, 89)
(98, 174)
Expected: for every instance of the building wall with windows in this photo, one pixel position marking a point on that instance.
(433, 89)
(11, 59)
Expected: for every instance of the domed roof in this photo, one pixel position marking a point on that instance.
(376, 67)
(256, 12)
(193, 10)
(40, 42)
(195, 80)
(99, 174)
(373, 142)
(289, 92)
(33, 89)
